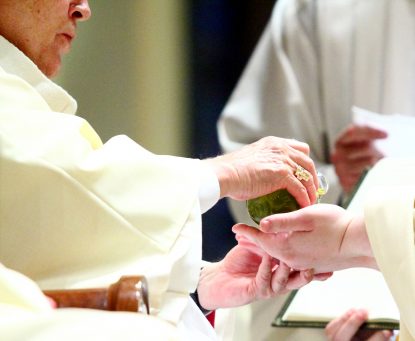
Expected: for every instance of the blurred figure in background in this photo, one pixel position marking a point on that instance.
(315, 61)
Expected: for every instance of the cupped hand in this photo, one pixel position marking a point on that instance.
(265, 166)
(322, 237)
(355, 151)
(247, 274)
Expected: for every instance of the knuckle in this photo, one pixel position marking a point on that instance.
(264, 278)
(306, 148)
(279, 286)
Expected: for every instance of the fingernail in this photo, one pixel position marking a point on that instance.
(234, 227)
(309, 273)
(264, 224)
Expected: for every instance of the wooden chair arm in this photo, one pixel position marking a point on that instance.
(130, 293)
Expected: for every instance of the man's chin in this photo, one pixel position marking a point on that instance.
(52, 69)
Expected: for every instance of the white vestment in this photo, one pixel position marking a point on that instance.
(75, 212)
(388, 193)
(316, 60)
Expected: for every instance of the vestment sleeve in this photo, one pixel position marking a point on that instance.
(76, 213)
(389, 217)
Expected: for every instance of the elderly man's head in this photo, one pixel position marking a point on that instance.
(42, 29)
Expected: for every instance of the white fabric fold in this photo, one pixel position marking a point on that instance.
(389, 217)
(78, 213)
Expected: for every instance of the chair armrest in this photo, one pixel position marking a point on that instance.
(130, 293)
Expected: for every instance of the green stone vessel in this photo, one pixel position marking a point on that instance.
(280, 201)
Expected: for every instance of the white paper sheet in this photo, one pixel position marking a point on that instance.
(346, 289)
(400, 128)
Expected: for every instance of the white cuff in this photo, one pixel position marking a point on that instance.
(209, 190)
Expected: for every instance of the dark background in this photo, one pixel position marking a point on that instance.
(224, 34)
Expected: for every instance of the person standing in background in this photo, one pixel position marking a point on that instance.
(315, 61)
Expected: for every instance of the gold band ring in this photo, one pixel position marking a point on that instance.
(302, 174)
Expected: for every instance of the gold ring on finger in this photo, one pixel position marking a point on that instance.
(302, 174)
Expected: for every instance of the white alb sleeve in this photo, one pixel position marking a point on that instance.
(209, 190)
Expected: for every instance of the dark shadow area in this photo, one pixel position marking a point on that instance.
(223, 36)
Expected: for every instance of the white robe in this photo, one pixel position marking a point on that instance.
(313, 63)
(75, 212)
(389, 196)
(316, 60)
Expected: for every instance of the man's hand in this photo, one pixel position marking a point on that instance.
(322, 237)
(346, 328)
(354, 152)
(247, 274)
(265, 166)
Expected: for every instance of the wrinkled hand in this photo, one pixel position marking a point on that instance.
(322, 237)
(346, 328)
(244, 275)
(354, 152)
(265, 166)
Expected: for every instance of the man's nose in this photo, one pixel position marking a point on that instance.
(80, 10)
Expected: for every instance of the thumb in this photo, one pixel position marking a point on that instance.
(295, 221)
(322, 276)
(246, 235)
(248, 244)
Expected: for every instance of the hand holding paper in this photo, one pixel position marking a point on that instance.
(346, 327)
(354, 151)
(400, 129)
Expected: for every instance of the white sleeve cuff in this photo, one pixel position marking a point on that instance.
(209, 190)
